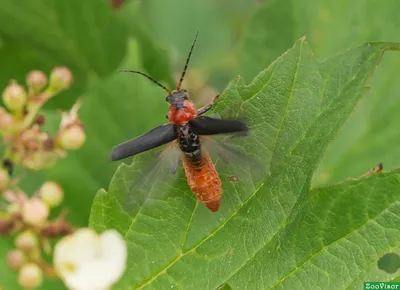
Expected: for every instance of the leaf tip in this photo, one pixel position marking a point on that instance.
(375, 170)
(101, 192)
(303, 38)
(225, 286)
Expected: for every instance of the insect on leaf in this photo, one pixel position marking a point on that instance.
(277, 232)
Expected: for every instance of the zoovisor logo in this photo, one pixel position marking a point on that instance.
(381, 285)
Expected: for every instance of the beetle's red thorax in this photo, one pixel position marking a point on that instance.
(182, 115)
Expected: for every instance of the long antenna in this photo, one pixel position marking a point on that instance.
(149, 77)
(187, 61)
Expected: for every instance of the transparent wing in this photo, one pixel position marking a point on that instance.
(154, 172)
(232, 161)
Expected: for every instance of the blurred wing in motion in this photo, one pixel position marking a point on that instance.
(160, 135)
(152, 176)
(238, 165)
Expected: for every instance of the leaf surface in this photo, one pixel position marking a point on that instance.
(295, 108)
(367, 138)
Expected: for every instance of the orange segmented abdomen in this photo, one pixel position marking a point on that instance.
(204, 181)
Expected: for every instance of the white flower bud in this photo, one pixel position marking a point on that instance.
(73, 137)
(15, 259)
(36, 80)
(35, 211)
(51, 193)
(60, 78)
(6, 119)
(26, 241)
(14, 96)
(30, 276)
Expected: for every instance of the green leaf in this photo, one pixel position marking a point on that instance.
(83, 35)
(183, 26)
(155, 58)
(367, 138)
(389, 263)
(174, 24)
(330, 26)
(224, 287)
(80, 34)
(335, 240)
(295, 109)
(270, 31)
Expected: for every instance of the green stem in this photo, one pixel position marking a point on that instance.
(33, 108)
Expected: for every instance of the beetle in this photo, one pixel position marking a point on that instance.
(186, 127)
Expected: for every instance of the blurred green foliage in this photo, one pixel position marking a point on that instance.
(236, 37)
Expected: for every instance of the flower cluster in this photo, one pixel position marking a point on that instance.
(26, 217)
(79, 254)
(21, 124)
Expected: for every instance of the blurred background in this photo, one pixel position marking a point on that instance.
(96, 38)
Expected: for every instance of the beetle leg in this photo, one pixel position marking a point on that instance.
(204, 109)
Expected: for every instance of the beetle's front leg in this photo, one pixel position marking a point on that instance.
(206, 108)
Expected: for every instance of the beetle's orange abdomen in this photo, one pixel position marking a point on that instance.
(182, 115)
(204, 181)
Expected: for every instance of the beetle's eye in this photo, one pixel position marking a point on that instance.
(167, 98)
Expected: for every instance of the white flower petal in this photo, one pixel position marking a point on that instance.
(114, 252)
(86, 261)
(72, 251)
(93, 275)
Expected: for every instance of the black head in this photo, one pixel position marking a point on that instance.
(177, 97)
